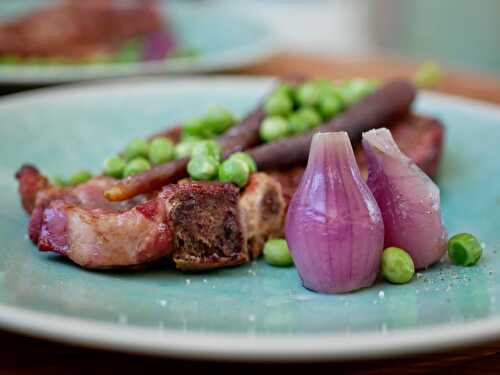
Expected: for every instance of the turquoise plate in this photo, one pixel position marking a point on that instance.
(223, 38)
(253, 311)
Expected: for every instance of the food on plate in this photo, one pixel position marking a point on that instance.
(276, 253)
(200, 225)
(384, 105)
(214, 192)
(408, 199)
(397, 265)
(333, 226)
(464, 249)
(90, 31)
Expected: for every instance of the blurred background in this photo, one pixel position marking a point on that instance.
(75, 40)
(459, 33)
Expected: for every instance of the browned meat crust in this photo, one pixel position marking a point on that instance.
(30, 183)
(78, 29)
(205, 225)
(262, 211)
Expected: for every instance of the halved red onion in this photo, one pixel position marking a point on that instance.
(408, 199)
(333, 226)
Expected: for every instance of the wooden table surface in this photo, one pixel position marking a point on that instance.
(24, 355)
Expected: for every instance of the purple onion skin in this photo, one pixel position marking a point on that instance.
(334, 227)
(158, 45)
(408, 199)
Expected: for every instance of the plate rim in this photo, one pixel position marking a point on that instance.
(232, 346)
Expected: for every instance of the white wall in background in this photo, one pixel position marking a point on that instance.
(315, 26)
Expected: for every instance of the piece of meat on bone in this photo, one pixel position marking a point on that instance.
(196, 224)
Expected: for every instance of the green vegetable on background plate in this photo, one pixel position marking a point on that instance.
(397, 265)
(203, 167)
(136, 148)
(161, 150)
(464, 249)
(243, 156)
(234, 170)
(114, 167)
(135, 166)
(273, 128)
(276, 253)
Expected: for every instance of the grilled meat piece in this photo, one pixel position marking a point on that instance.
(205, 225)
(78, 29)
(262, 211)
(196, 223)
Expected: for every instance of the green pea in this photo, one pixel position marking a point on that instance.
(79, 177)
(137, 148)
(278, 105)
(235, 171)
(218, 120)
(284, 89)
(297, 124)
(329, 106)
(135, 166)
(184, 149)
(10, 60)
(190, 138)
(161, 150)
(58, 181)
(203, 167)
(464, 249)
(428, 74)
(273, 128)
(129, 52)
(312, 117)
(354, 90)
(308, 94)
(196, 127)
(325, 86)
(276, 253)
(114, 167)
(397, 265)
(207, 148)
(247, 159)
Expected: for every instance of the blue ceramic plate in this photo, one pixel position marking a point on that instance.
(222, 37)
(253, 311)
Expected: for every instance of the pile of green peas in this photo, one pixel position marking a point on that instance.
(207, 164)
(140, 155)
(293, 110)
